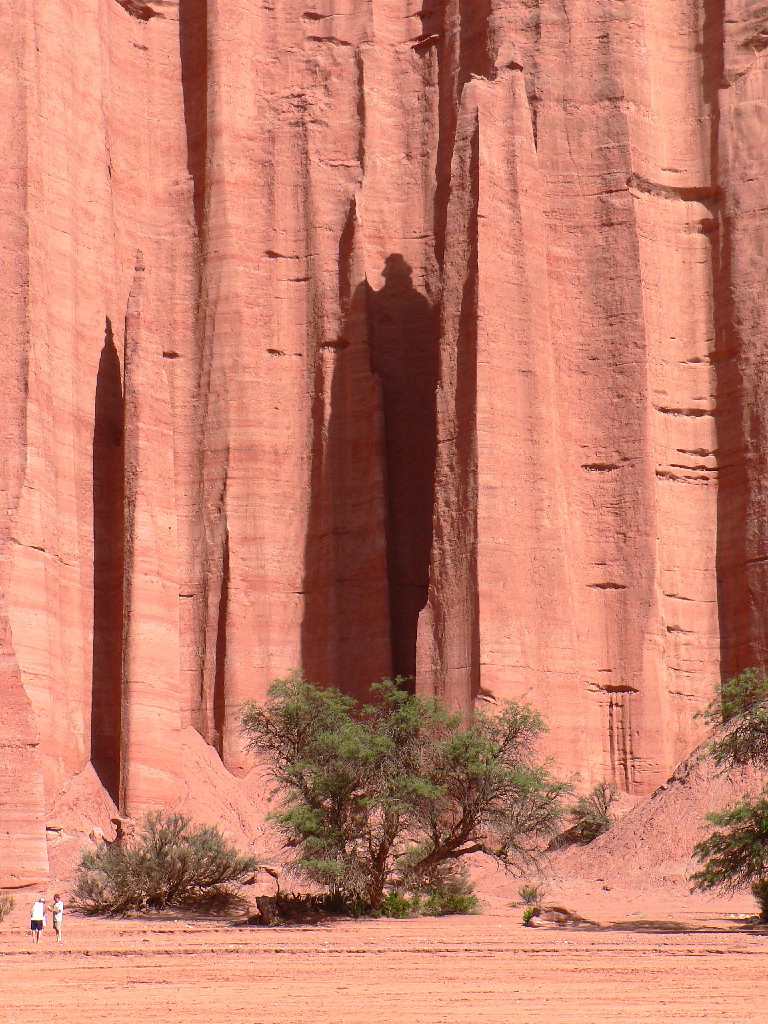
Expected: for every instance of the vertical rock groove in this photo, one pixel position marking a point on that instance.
(464, 50)
(220, 675)
(108, 501)
(466, 418)
(193, 47)
(447, 649)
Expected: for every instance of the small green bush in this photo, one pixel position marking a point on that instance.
(444, 904)
(528, 915)
(171, 863)
(395, 904)
(531, 895)
(449, 891)
(446, 889)
(592, 813)
(7, 904)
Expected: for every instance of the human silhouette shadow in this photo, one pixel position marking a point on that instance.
(403, 344)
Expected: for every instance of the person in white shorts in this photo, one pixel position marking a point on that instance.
(37, 922)
(57, 909)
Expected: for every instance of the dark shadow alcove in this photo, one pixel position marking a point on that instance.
(193, 52)
(108, 489)
(403, 341)
(372, 484)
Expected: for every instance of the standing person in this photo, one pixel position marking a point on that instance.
(57, 909)
(37, 922)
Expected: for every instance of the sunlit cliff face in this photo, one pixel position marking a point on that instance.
(375, 339)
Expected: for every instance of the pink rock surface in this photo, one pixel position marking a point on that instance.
(445, 359)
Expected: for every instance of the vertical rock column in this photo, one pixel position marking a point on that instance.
(23, 855)
(448, 657)
(669, 62)
(151, 698)
(742, 330)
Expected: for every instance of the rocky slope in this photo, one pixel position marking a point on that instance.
(417, 336)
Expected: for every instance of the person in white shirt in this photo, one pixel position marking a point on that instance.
(37, 922)
(57, 909)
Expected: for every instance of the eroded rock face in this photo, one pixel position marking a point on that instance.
(443, 353)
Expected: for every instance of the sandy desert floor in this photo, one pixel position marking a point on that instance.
(654, 957)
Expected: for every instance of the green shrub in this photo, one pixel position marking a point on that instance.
(444, 904)
(171, 863)
(531, 895)
(449, 891)
(382, 797)
(528, 915)
(741, 708)
(395, 904)
(592, 813)
(736, 854)
(7, 904)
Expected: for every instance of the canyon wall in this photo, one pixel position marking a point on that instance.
(375, 336)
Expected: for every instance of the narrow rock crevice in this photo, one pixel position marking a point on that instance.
(361, 108)
(220, 671)
(464, 50)
(193, 52)
(466, 412)
(346, 252)
(620, 738)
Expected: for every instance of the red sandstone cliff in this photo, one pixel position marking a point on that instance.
(441, 353)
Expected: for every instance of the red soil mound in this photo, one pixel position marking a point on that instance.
(653, 843)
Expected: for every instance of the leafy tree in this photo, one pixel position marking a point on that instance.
(172, 862)
(389, 796)
(592, 813)
(736, 854)
(742, 708)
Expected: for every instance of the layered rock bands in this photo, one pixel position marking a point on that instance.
(375, 336)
